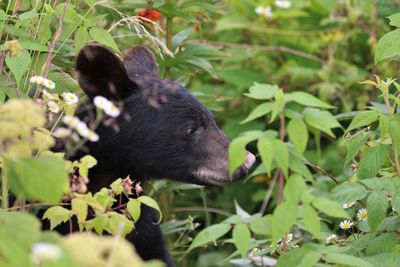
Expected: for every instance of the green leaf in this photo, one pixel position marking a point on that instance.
(294, 188)
(345, 259)
(311, 220)
(259, 111)
(81, 38)
(151, 203)
(385, 259)
(292, 257)
(298, 134)
(285, 216)
(44, 178)
(103, 37)
(394, 130)
(262, 91)
(281, 155)
(348, 192)
(119, 224)
(310, 259)
(203, 64)
(377, 205)
(134, 209)
(330, 207)
(262, 225)
(396, 203)
(277, 105)
(394, 20)
(80, 209)
(372, 161)
(242, 239)
(88, 161)
(237, 152)
(265, 149)
(388, 46)
(354, 144)
(209, 234)
(384, 125)
(57, 215)
(306, 99)
(33, 45)
(363, 118)
(117, 187)
(18, 65)
(381, 244)
(321, 120)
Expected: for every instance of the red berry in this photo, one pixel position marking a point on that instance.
(150, 14)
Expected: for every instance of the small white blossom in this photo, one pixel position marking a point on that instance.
(46, 95)
(82, 128)
(70, 121)
(107, 106)
(42, 252)
(287, 238)
(348, 205)
(345, 225)
(92, 136)
(331, 239)
(70, 98)
(264, 11)
(42, 81)
(61, 132)
(362, 215)
(53, 106)
(283, 3)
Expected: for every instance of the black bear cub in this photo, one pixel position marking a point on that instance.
(163, 132)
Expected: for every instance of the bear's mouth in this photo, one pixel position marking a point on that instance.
(205, 176)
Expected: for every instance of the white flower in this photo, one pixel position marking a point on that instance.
(47, 95)
(92, 136)
(348, 205)
(287, 238)
(61, 132)
(362, 215)
(70, 98)
(331, 239)
(53, 106)
(82, 128)
(283, 3)
(345, 225)
(70, 121)
(43, 81)
(45, 251)
(264, 11)
(107, 106)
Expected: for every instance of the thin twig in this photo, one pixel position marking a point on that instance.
(268, 195)
(318, 168)
(213, 210)
(261, 48)
(53, 44)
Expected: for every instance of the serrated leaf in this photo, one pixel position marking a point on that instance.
(117, 187)
(348, 192)
(57, 215)
(281, 156)
(321, 120)
(242, 238)
(354, 144)
(363, 118)
(294, 188)
(103, 37)
(209, 234)
(118, 224)
(265, 149)
(340, 258)
(311, 220)
(262, 91)
(381, 244)
(285, 216)
(277, 105)
(237, 152)
(134, 209)
(80, 209)
(18, 65)
(88, 161)
(388, 46)
(81, 38)
(394, 20)
(151, 203)
(330, 207)
(258, 111)
(377, 204)
(372, 161)
(33, 45)
(308, 100)
(262, 225)
(298, 134)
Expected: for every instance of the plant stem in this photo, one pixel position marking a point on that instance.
(168, 39)
(203, 197)
(4, 188)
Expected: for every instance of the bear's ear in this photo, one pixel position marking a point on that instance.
(101, 72)
(140, 61)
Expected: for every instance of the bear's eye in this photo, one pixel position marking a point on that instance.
(191, 131)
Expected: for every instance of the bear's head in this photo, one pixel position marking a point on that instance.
(163, 131)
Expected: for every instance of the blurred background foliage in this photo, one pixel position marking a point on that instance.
(217, 49)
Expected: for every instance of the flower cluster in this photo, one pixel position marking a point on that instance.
(107, 106)
(43, 81)
(81, 127)
(267, 11)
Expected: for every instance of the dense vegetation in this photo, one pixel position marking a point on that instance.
(309, 86)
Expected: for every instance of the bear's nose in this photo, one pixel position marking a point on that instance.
(244, 168)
